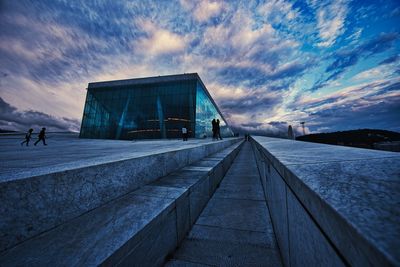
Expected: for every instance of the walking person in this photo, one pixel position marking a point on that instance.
(184, 133)
(218, 135)
(42, 137)
(28, 136)
(214, 129)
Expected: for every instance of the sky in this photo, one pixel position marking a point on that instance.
(334, 65)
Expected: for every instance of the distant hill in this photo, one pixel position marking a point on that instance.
(365, 138)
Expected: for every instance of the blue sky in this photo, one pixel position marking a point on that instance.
(333, 64)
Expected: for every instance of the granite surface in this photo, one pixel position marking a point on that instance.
(112, 226)
(277, 203)
(234, 228)
(42, 187)
(308, 246)
(138, 229)
(353, 194)
(67, 151)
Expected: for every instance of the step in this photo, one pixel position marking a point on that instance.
(139, 228)
(51, 185)
(234, 229)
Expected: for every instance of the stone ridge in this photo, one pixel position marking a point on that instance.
(33, 205)
(139, 228)
(352, 194)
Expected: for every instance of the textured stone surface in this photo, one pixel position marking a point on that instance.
(229, 212)
(215, 178)
(161, 191)
(152, 250)
(297, 152)
(361, 196)
(241, 191)
(138, 229)
(240, 177)
(227, 254)
(39, 190)
(179, 263)
(277, 203)
(181, 179)
(234, 229)
(308, 246)
(183, 223)
(66, 151)
(352, 194)
(224, 234)
(95, 236)
(182, 203)
(199, 196)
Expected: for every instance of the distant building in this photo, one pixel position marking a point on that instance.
(154, 107)
(290, 132)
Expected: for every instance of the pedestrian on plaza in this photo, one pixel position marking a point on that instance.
(214, 129)
(28, 136)
(42, 137)
(218, 135)
(184, 133)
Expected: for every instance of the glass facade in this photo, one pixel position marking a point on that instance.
(206, 111)
(156, 107)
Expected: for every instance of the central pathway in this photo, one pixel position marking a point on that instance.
(234, 229)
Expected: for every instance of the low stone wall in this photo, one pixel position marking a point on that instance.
(331, 205)
(35, 204)
(140, 228)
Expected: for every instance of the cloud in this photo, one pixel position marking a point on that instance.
(250, 103)
(252, 124)
(331, 22)
(355, 36)
(276, 11)
(375, 104)
(203, 10)
(390, 60)
(273, 128)
(254, 75)
(344, 59)
(13, 119)
(256, 58)
(383, 70)
(207, 9)
(378, 115)
(158, 41)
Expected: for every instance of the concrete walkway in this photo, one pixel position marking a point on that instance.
(67, 151)
(235, 228)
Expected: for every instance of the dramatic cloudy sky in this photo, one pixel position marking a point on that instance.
(333, 64)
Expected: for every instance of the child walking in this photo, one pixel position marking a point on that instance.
(28, 136)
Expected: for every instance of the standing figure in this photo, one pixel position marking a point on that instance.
(27, 137)
(218, 135)
(184, 133)
(42, 137)
(214, 129)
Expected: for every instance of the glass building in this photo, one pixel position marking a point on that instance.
(154, 107)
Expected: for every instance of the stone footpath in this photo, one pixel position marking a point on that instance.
(234, 228)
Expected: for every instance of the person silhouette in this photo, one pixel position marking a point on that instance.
(42, 137)
(218, 131)
(214, 128)
(28, 136)
(185, 133)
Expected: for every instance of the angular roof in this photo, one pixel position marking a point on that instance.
(147, 80)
